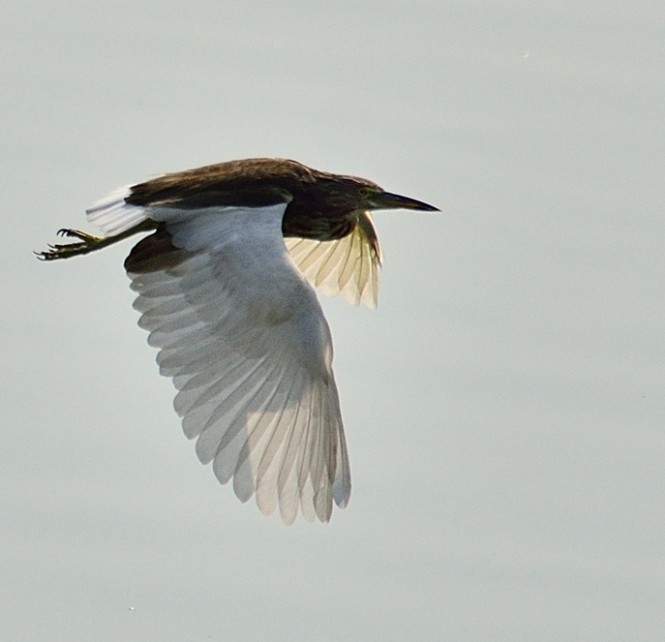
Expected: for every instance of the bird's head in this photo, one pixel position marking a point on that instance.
(361, 194)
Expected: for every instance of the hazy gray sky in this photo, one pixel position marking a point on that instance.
(504, 406)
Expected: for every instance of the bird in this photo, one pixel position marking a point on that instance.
(225, 282)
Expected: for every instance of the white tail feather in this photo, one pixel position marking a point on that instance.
(112, 215)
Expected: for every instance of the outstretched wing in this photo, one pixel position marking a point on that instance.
(242, 334)
(349, 266)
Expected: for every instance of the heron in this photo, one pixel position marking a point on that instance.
(226, 282)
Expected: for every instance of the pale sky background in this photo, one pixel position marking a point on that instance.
(504, 406)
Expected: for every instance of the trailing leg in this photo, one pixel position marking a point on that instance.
(89, 242)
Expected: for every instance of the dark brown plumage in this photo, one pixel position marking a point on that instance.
(322, 206)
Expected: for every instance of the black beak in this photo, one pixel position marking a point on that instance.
(388, 201)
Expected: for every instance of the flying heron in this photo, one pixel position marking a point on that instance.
(224, 285)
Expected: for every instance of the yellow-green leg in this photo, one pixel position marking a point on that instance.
(88, 242)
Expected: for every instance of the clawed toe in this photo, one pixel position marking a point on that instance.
(61, 251)
(84, 236)
(87, 243)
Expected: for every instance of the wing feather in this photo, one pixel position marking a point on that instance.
(349, 266)
(242, 334)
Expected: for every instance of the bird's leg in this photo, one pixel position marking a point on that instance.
(89, 242)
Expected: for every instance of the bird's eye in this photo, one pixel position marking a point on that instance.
(364, 192)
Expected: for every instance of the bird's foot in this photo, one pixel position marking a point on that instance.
(87, 243)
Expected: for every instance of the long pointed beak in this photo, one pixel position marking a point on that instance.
(388, 201)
